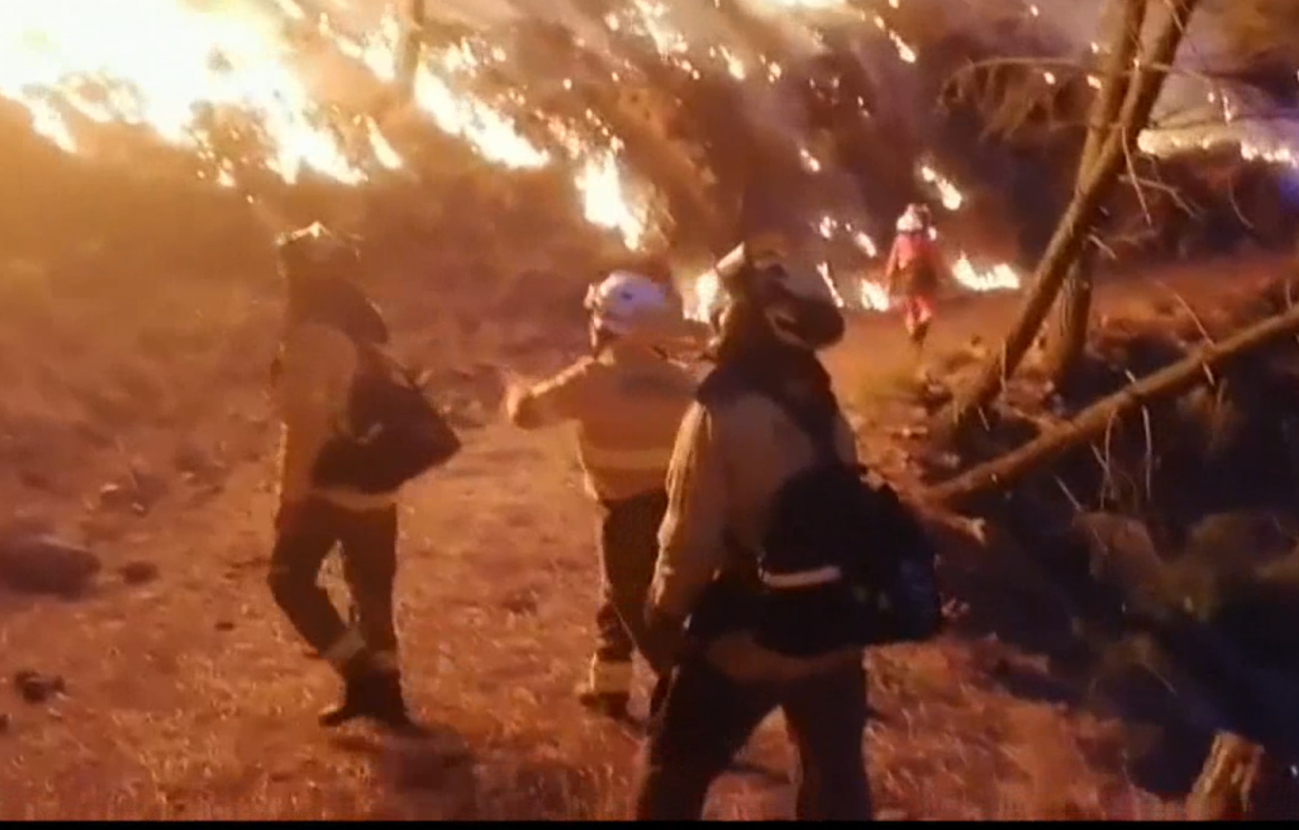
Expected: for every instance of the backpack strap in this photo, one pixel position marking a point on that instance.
(819, 430)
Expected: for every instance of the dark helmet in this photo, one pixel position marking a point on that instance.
(316, 251)
(786, 291)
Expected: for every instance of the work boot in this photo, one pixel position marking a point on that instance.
(388, 706)
(375, 696)
(358, 700)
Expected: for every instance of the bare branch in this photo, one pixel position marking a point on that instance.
(1075, 225)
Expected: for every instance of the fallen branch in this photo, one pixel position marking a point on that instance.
(1093, 421)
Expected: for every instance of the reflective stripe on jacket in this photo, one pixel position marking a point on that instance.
(731, 457)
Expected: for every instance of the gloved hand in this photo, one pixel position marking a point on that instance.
(665, 640)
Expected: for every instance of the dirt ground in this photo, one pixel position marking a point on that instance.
(189, 697)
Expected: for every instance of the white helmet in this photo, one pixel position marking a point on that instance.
(628, 305)
(915, 219)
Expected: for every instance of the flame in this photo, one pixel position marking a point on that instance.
(874, 297)
(153, 59)
(493, 135)
(950, 195)
(818, 5)
(1000, 277)
(161, 65)
(605, 203)
(703, 296)
(1209, 138)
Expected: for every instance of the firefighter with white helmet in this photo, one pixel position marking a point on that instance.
(914, 271)
(626, 399)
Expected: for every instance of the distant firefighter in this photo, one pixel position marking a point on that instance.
(626, 400)
(914, 271)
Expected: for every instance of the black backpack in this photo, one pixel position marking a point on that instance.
(394, 432)
(844, 563)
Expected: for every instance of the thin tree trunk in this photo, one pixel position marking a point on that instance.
(1067, 336)
(1241, 781)
(1067, 329)
(1091, 423)
(1078, 218)
(410, 50)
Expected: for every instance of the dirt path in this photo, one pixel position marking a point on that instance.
(189, 697)
(876, 345)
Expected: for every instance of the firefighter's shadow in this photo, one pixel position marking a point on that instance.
(438, 763)
(439, 776)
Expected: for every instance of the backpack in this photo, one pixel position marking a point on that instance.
(843, 563)
(393, 435)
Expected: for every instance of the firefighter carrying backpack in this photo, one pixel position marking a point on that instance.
(394, 432)
(843, 563)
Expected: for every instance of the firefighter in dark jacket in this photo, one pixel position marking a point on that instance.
(626, 400)
(736, 448)
(327, 316)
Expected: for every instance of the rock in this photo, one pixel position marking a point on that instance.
(5, 723)
(935, 394)
(523, 602)
(225, 625)
(138, 491)
(138, 572)
(44, 564)
(114, 496)
(38, 688)
(198, 464)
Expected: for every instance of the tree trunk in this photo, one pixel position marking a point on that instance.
(410, 49)
(1078, 218)
(1241, 781)
(1067, 329)
(1092, 422)
(1067, 332)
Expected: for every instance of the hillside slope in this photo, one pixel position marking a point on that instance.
(187, 695)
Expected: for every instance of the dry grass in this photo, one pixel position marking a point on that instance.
(191, 699)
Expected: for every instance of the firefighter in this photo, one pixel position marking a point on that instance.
(627, 400)
(914, 271)
(737, 446)
(327, 317)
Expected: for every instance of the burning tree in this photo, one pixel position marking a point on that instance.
(1258, 37)
(1130, 96)
(1068, 332)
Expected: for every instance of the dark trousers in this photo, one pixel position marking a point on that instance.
(368, 541)
(705, 718)
(629, 549)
